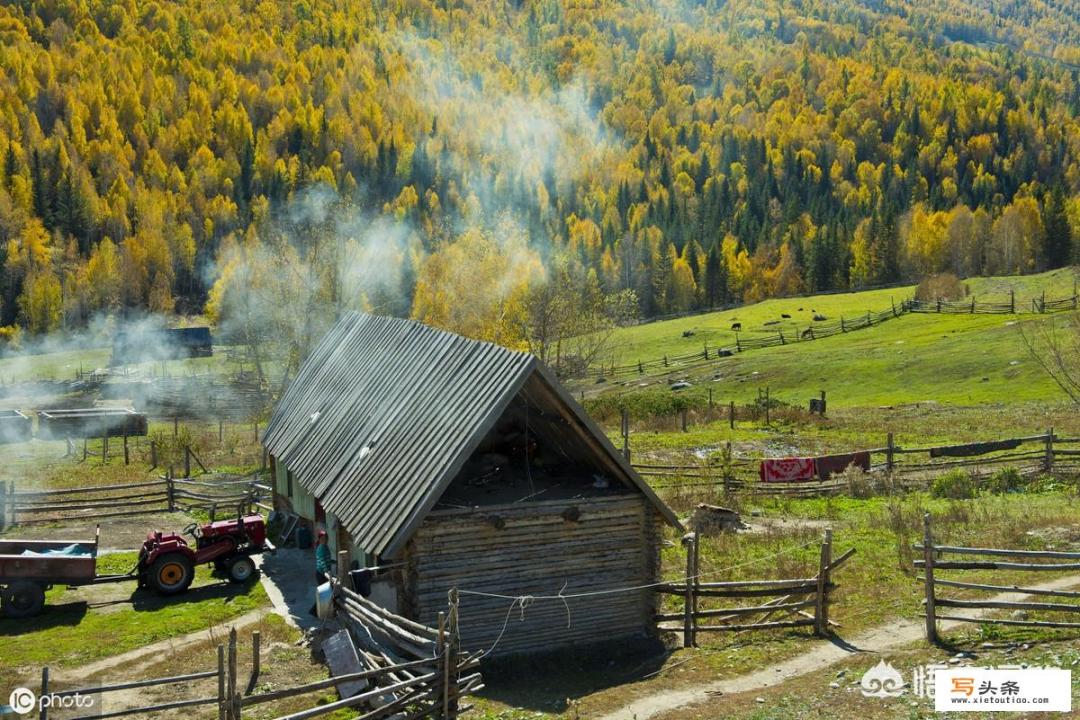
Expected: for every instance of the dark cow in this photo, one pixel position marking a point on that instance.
(819, 318)
(785, 316)
(736, 326)
(688, 333)
(724, 352)
(771, 322)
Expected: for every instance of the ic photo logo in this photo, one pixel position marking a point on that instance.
(22, 700)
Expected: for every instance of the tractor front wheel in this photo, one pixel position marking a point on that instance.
(172, 573)
(241, 568)
(22, 598)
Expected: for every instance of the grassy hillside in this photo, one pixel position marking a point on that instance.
(959, 359)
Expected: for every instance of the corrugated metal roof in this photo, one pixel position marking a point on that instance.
(385, 412)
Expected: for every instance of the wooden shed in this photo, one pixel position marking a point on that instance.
(451, 463)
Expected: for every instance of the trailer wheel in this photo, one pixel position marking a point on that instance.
(172, 573)
(22, 598)
(241, 568)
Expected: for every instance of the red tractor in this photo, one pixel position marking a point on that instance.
(167, 561)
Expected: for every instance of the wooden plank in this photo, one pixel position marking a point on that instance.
(997, 551)
(1007, 605)
(975, 565)
(1002, 621)
(1003, 588)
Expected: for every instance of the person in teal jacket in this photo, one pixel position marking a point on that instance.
(322, 559)
(322, 564)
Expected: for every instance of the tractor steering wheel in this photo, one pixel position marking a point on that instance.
(191, 530)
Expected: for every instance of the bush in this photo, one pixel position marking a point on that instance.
(945, 286)
(954, 485)
(1006, 480)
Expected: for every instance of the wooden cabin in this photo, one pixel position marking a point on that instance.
(451, 463)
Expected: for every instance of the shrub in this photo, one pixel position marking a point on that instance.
(1005, 480)
(955, 485)
(945, 286)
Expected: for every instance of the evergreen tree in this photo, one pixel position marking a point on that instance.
(1057, 236)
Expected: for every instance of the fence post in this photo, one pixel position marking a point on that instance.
(1048, 462)
(1012, 302)
(452, 654)
(170, 490)
(221, 681)
(822, 411)
(939, 305)
(890, 450)
(843, 327)
(625, 427)
(781, 334)
(767, 403)
(731, 415)
(153, 454)
(689, 540)
(220, 431)
(444, 662)
(710, 399)
(256, 661)
(43, 712)
(682, 418)
(3, 504)
(706, 351)
(176, 426)
(1042, 302)
(187, 461)
(821, 614)
(928, 563)
(230, 691)
(127, 458)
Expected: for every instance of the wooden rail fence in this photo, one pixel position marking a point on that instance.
(166, 494)
(932, 562)
(818, 330)
(422, 674)
(1044, 453)
(794, 603)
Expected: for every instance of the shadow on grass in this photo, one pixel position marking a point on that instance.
(143, 600)
(66, 614)
(546, 683)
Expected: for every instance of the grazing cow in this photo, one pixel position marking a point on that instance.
(736, 326)
(724, 352)
(772, 322)
(800, 310)
(819, 318)
(688, 333)
(785, 316)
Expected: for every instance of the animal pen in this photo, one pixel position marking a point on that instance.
(441, 463)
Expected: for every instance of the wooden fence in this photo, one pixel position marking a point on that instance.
(932, 563)
(165, 494)
(772, 338)
(410, 672)
(906, 468)
(794, 603)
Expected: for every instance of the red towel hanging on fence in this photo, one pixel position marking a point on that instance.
(787, 469)
(829, 464)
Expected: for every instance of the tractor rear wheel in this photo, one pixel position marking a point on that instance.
(22, 598)
(172, 573)
(241, 568)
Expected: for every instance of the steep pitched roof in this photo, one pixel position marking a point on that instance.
(385, 412)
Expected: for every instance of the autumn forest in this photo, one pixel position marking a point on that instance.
(521, 170)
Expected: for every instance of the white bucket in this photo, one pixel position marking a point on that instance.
(324, 601)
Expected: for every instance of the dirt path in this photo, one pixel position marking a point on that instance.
(153, 653)
(883, 638)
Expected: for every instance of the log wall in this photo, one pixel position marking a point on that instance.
(533, 549)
